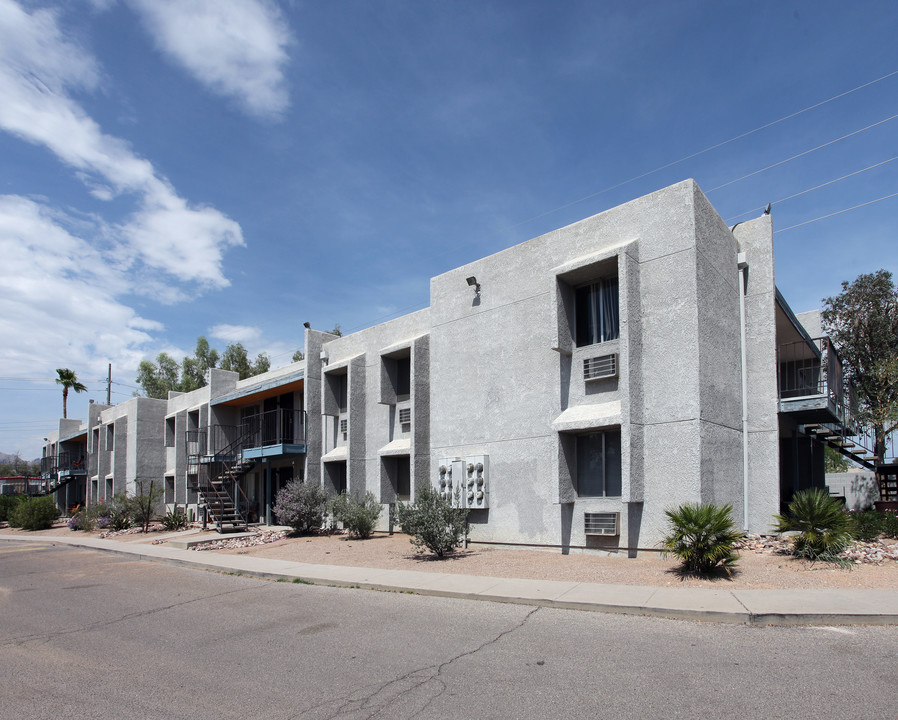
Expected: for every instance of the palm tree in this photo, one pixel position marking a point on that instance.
(68, 379)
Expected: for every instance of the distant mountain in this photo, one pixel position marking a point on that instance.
(7, 458)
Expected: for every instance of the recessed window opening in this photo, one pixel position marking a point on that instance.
(596, 312)
(599, 464)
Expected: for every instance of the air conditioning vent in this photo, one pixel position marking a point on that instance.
(344, 426)
(604, 366)
(601, 523)
(405, 416)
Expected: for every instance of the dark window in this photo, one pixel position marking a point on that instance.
(403, 376)
(598, 464)
(403, 479)
(342, 382)
(596, 312)
(169, 432)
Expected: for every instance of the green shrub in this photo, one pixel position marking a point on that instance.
(118, 510)
(358, 514)
(432, 522)
(823, 526)
(175, 519)
(84, 519)
(300, 505)
(701, 536)
(37, 513)
(8, 503)
(870, 524)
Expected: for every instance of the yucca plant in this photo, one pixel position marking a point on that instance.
(823, 526)
(702, 536)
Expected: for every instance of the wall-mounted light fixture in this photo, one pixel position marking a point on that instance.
(472, 282)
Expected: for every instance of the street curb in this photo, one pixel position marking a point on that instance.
(682, 611)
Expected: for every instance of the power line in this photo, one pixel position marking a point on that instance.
(838, 212)
(802, 154)
(816, 187)
(707, 149)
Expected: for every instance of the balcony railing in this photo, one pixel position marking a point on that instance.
(66, 463)
(275, 427)
(212, 441)
(811, 369)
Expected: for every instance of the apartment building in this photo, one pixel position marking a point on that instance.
(567, 391)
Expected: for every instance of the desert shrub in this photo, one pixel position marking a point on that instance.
(144, 505)
(300, 505)
(823, 526)
(432, 522)
(84, 519)
(36, 513)
(702, 536)
(8, 503)
(175, 519)
(358, 514)
(870, 524)
(118, 512)
(890, 525)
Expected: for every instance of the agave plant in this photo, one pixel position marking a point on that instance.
(702, 536)
(823, 526)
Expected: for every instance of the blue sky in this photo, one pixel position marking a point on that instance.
(175, 168)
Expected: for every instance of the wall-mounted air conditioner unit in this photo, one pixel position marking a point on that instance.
(597, 368)
(601, 523)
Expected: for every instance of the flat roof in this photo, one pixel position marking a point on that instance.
(275, 386)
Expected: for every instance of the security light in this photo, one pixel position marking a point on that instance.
(472, 282)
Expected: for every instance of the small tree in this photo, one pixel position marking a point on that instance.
(702, 537)
(144, 505)
(358, 514)
(823, 526)
(863, 323)
(432, 522)
(301, 506)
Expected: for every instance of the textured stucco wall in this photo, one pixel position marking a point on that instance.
(755, 239)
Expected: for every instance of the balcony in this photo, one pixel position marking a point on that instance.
(66, 464)
(268, 434)
(810, 382)
(273, 433)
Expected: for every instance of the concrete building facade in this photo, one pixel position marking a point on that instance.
(567, 390)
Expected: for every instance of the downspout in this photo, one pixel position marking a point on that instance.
(742, 264)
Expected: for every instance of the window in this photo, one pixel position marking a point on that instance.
(169, 432)
(596, 312)
(403, 376)
(110, 437)
(341, 391)
(598, 464)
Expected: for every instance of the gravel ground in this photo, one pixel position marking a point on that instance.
(761, 566)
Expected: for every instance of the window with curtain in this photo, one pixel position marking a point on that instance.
(599, 464)
(596, 312)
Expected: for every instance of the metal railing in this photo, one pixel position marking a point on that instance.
(275, 427)
(72, 463)
(809, 369)
(213, 441)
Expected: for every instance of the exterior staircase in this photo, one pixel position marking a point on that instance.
(218, 485)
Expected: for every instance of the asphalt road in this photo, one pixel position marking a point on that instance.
(94, 635)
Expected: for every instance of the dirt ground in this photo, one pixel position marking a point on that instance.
(756, 569)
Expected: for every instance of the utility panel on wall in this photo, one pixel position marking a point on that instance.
(476, 489)
(465, 481)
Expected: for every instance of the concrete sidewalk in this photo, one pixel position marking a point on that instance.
(752, 607)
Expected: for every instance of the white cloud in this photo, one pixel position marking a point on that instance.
(58, 298)
(236, 333)
(237, 48)
(37, 68)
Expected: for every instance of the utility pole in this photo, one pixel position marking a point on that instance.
(109, 386)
